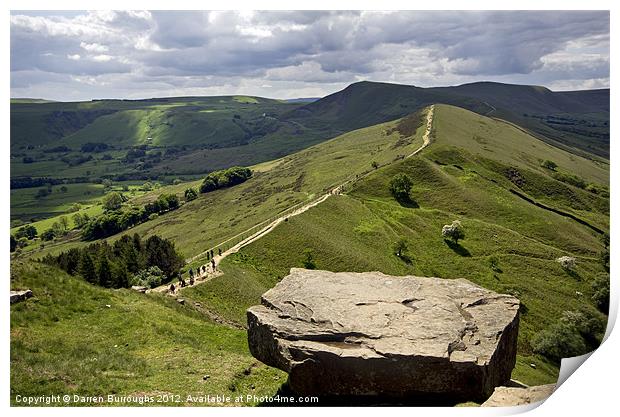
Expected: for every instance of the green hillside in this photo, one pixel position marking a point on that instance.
(518, 218)
(577, 121)
(276, 187)
(511, 244)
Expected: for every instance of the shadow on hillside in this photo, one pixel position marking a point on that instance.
(573, 274)
(423, 400)
(457, 248)
(407, 202)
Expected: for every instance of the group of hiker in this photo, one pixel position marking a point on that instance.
(201, 270)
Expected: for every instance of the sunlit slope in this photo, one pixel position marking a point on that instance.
(277, 186)
(76, 338)
(509, 144)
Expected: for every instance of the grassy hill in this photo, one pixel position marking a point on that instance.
(511, 245)
(275, 187)
(518, 217)
(577, 120)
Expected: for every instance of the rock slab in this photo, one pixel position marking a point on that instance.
(511, 397)
(371, 334)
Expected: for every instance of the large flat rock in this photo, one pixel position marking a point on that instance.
(370, 334)
(511, 396)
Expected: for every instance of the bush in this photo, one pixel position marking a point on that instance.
(567, 262)
(454, 231)
(112, 201)
(600, 288)
(400, 186)
(225, 178)
(48, 235)
(151, 277)
(190, 194)
(549, 164)
(29, 232)
(577, 333)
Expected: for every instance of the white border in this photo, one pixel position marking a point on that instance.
(592, 388)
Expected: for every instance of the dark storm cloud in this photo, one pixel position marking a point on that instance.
(266, 52)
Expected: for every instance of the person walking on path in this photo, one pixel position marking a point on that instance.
(213, 264)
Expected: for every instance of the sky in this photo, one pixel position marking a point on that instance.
(81, 55)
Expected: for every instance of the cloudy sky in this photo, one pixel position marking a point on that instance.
(137, 54)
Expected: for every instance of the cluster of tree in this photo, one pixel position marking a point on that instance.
(76, 159)
(126, 261)
(59, 228)
(58, 149)
(29, 182)
(22, 236)
(225, 178)
(95, 147)
(575, 334)
(116, 220)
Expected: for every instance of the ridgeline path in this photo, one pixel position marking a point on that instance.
(210, 269)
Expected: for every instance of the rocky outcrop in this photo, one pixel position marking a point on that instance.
(17, 296)
(510, 397)
(370, 334)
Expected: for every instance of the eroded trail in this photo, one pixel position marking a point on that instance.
(210, 269)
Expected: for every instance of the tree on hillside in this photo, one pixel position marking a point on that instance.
(400, 247)
(600, 292)
(550, 165)
(190, 194)
(104, 272)
(86, 268)
(454, 231)
(112, 201)
(28, 231)
(400, 186)
(48, 235)
(13, 243)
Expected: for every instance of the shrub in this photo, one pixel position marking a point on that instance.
(549, 164)
(112, 201)
(577, 333)
(150, 277)
(400, 186)
(600, 288)
(48, 235)
(567, 262)
(190, 194)
(454, 231)
(225, 178)
(28, 231)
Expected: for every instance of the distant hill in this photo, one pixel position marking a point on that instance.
(574, 120)
(195, 135)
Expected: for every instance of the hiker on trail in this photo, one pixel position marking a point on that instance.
(191, 280)
(213, 264)
(204, 269)
(211, 253)
(208, 255)
(172, 288)
(182, 283)
(191, 273)
(219, 251)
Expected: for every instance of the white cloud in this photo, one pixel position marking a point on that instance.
(280, 53)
